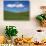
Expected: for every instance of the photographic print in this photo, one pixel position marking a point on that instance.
(16, 10)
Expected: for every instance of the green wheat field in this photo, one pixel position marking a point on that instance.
(16, 16)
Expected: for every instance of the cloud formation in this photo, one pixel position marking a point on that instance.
(15, 5)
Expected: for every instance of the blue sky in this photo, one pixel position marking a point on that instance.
(16, 0)
(16, 6)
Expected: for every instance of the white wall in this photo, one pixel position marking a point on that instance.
(35, 10)
(27, 28)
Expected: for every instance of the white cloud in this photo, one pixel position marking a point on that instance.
(11, 5)
(19, 5)
(15, 5)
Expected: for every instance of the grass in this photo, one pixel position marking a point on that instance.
(16, 16)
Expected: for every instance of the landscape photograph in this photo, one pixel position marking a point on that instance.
(16, 10)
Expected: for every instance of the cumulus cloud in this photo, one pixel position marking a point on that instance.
(11, 5)
(15, 5)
